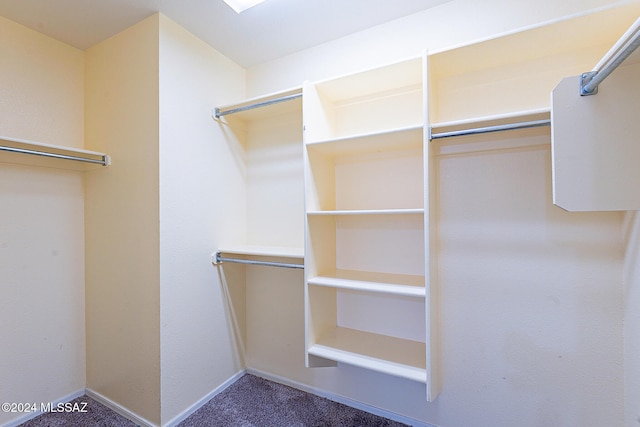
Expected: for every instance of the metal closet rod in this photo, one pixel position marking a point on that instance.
(104, 161)
(220, 258)
(488, 129)
(219, 113)
(627, 44)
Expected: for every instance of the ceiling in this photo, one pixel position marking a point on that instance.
(267, 31)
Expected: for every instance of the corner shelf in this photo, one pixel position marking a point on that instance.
(31, 153)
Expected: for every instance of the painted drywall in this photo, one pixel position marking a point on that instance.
(202, 206)
(632, 320)
(41, 223)
(122, 220)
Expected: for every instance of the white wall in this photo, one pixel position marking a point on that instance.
(41, 223)
(202, 206)
(632, 320)
(531, 297)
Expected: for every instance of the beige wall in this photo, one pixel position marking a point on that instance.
(122, 220)
(632, 319)
(202, 205)
(42, 354)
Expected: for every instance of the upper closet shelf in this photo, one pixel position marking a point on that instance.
(624, 50)
(48, 155)
(517, 71)
(263, 106)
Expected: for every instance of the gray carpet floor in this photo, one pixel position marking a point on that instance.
(96, 415)
(249, 402)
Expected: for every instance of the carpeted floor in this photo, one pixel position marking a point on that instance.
(96, 415)
(249, 402)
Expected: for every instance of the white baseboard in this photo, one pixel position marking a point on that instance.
(119, 409)
(17, 421)
(197, 405)
(340, 399)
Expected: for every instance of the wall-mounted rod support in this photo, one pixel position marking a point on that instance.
(219, 258)
(488, 129)
(219, 113)
(104, 161)
(627, 44)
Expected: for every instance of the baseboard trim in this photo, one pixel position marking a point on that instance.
(197, 405)
(338, 398)
(116, 407)
(17, 421)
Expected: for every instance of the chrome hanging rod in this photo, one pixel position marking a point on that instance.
(104, 161)
(627, 44)
(488, 129)
(219, 113)
(220, 258)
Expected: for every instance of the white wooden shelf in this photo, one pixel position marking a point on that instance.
(262, 107)
(264, 251)
(367, 212)
(394, 284)
(389, 355)
(387, 97)
(367, 172)
(31, 153)
(405, 138)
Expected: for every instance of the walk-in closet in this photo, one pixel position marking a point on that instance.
(431, 219)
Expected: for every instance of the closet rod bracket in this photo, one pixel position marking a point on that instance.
(585, 79)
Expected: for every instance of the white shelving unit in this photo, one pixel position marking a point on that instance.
(31, 153)
(366, 293)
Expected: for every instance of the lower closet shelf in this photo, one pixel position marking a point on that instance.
(389, 355)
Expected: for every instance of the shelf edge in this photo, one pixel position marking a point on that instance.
(371, 363)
